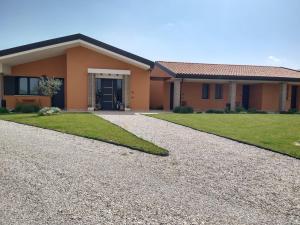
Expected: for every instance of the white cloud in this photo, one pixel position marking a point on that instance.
(274, 59)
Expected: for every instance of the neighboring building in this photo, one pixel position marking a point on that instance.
(95, 75)
(215, 86)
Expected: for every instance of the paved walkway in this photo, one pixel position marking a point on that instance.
(48, 177)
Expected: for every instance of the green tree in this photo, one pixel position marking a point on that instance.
(49, 86)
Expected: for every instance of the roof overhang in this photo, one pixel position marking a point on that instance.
(225, 77)
(228, 77)
(58, 46)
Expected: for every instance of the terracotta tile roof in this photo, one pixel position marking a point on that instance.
(226, 71)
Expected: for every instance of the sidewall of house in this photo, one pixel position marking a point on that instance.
(270, 97)
(255, 98)
(156, 94)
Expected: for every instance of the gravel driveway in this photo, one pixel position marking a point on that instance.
(51, 178)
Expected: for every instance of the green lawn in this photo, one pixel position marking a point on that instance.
(87, 125)
(272, 131)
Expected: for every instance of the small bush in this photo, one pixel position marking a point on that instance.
(215, 111)
(240, 109)
(26, 108)
(183, 109)
(293, 111)
(3, 110)
(261, 112)
(290, 111)
(48, 111)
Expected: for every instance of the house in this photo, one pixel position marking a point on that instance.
(95, 75)
(216, 86)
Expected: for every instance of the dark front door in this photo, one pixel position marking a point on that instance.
(246, 94)
(58, 100)
(111, 94)
(107, 99)
(171, 95)
(294, 97)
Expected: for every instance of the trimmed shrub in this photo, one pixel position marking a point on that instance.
(240, 109)
(183, 109)
(3, 110)
(215, 111)
(261, 112)
(48, 111)
(290, 111)
(293, 111)
(26, 108)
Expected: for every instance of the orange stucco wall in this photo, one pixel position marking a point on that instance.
(12, 101)
(191, 95)
(54, 66)
(270, 97)
(156, 94)
(160, 89)
(79, 59)
(158, 72)
(255, 97)
(73, 67)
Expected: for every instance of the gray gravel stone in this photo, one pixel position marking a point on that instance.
(48, 177)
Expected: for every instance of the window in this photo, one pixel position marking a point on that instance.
(28, 86)
(205, 91)
(23, 86)
(219, 91)
(34, 86)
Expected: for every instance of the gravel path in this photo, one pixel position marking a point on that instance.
(51, 178)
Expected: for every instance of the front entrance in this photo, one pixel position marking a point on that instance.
(109, 94)
(294, 97)
(246, 95)
(58, 100)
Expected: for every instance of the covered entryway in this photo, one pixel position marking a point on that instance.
(109, 94)
(58, 100)
(294, 97)
(246, 96)
(108, 89)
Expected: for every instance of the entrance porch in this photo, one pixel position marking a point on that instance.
(108, 89)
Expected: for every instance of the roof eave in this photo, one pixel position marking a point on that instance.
(231, 77)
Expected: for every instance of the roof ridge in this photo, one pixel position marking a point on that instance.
(228, 64)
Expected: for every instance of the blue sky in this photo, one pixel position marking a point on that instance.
(262, 32)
